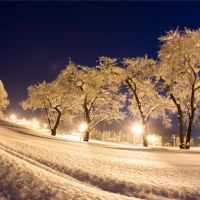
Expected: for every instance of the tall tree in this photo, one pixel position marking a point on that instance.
(97, 98)
(57, 102)
(146, 102)
(3, 98)
(179, 64)
(138, 76)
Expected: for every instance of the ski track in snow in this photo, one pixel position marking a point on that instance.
(35, 166)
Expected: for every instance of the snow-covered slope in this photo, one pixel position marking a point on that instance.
(33, 166)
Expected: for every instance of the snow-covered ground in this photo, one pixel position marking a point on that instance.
(35, 166)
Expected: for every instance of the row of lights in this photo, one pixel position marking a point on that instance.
(34, 122)
(137, 127)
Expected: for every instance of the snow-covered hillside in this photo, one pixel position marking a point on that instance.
(34, 166)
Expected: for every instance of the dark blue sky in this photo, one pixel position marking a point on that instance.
(37, 38)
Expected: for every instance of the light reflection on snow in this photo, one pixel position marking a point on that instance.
(70, 137)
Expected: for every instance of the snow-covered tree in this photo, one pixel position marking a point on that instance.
(3, 98)
(57, 102)
(138, 76)
(96, 96)
(179, 70)
(145, 101)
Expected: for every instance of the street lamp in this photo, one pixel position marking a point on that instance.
(137, 129)
(13, 117)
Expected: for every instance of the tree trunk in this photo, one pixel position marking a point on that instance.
(139, 105)
(53, 132)
(188, 136)
(181, 134)
(88, 120)
(48, 118)
(180, 121)
(87, 135)
(54, 129)
(144, 134)
(191, 118)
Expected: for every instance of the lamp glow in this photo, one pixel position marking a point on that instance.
(152, 139)
(137, 129)
(13, 117)
(83, 127)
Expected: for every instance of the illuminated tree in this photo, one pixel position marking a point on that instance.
(57, 102)
(179, 70)
(145, 101)
(3, 98)
(96, 96)
(138, 76)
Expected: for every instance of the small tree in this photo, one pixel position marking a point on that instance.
(57, 102)
(98, 100)
(179, 64)
(4, 102)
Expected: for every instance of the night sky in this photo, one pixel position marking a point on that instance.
(37, 38)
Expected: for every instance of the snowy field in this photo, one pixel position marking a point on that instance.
(34, 166)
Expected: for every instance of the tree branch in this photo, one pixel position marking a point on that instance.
(134, 90)
(150, 112)
(92, 103)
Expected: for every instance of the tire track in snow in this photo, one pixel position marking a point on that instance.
(53, 171)
(40, 165)
(110, 184)
(59, 183)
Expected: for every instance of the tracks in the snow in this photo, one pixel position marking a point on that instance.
(39, 165)
(84, 177)
(55, 172)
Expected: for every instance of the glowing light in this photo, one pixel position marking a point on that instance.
(152, 139)
(13, 117)
(83, 127)
(22, 121)
(137, 129)
(36, 123)
(34, 120)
